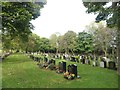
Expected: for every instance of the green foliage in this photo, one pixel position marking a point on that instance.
(69, 41)
(16, 17)
(104, 38)
(45, 45)
(111, 14)
(84, 43)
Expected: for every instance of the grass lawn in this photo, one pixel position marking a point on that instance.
(19, 71)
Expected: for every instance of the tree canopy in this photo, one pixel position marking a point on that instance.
(16, 17)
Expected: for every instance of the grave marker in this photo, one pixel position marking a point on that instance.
(72, 68)
(111, 65)
(62, 66)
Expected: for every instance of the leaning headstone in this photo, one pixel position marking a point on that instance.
(111, 65)
(72, 69)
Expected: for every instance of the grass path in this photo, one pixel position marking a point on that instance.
(21, 72)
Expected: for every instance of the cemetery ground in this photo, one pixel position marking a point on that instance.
(19, 71)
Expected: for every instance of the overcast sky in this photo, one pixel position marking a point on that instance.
(61, 16)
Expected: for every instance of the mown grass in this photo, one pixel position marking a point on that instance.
(19, 71)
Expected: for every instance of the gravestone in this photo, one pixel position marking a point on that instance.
(72, 68)
(73, 59)
(87, 61)
(53, 61)
(37, 59)
(32, 57)
(64, 57)
(94, 63)
(103, 64)
(62, 66)
(83, 59)
(45, 59)
(111, 65)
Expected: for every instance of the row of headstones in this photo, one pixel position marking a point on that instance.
(103, 63)
(72, 68)
(84, 60)
(4, 56)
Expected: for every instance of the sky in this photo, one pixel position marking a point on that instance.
(62, 16)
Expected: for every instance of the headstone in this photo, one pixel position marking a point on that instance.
(73, 59)
(83, 60)
(94, 63)
(111, 65)
(62, 66)
(53, 61)
(45, 59)
(103, 64)
(64, 57)
(72, 68)
(87, 61)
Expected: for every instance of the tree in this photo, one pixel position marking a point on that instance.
(84, 43)
(45, 45)
(53, 42)
(103, 37)
(69, 41)
(61, 44)
(16, 17)
(111, 14)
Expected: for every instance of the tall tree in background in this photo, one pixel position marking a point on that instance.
(109, 13)
(84, 43)
(53, 41)
(16, 17)
(103, 37)
(69, 41)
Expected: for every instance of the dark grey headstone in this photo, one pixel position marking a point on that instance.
(62, 66)
(45, 59)
(111, 65)
(73, 59)
(72, 68)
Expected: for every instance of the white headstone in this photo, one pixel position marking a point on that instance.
(86, 61)
(94, 64)
(102, 64)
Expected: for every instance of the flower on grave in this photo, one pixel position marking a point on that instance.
(69, 76)
(66, 73)
(73, 75)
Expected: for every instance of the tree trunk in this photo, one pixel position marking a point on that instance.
(118, 49)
